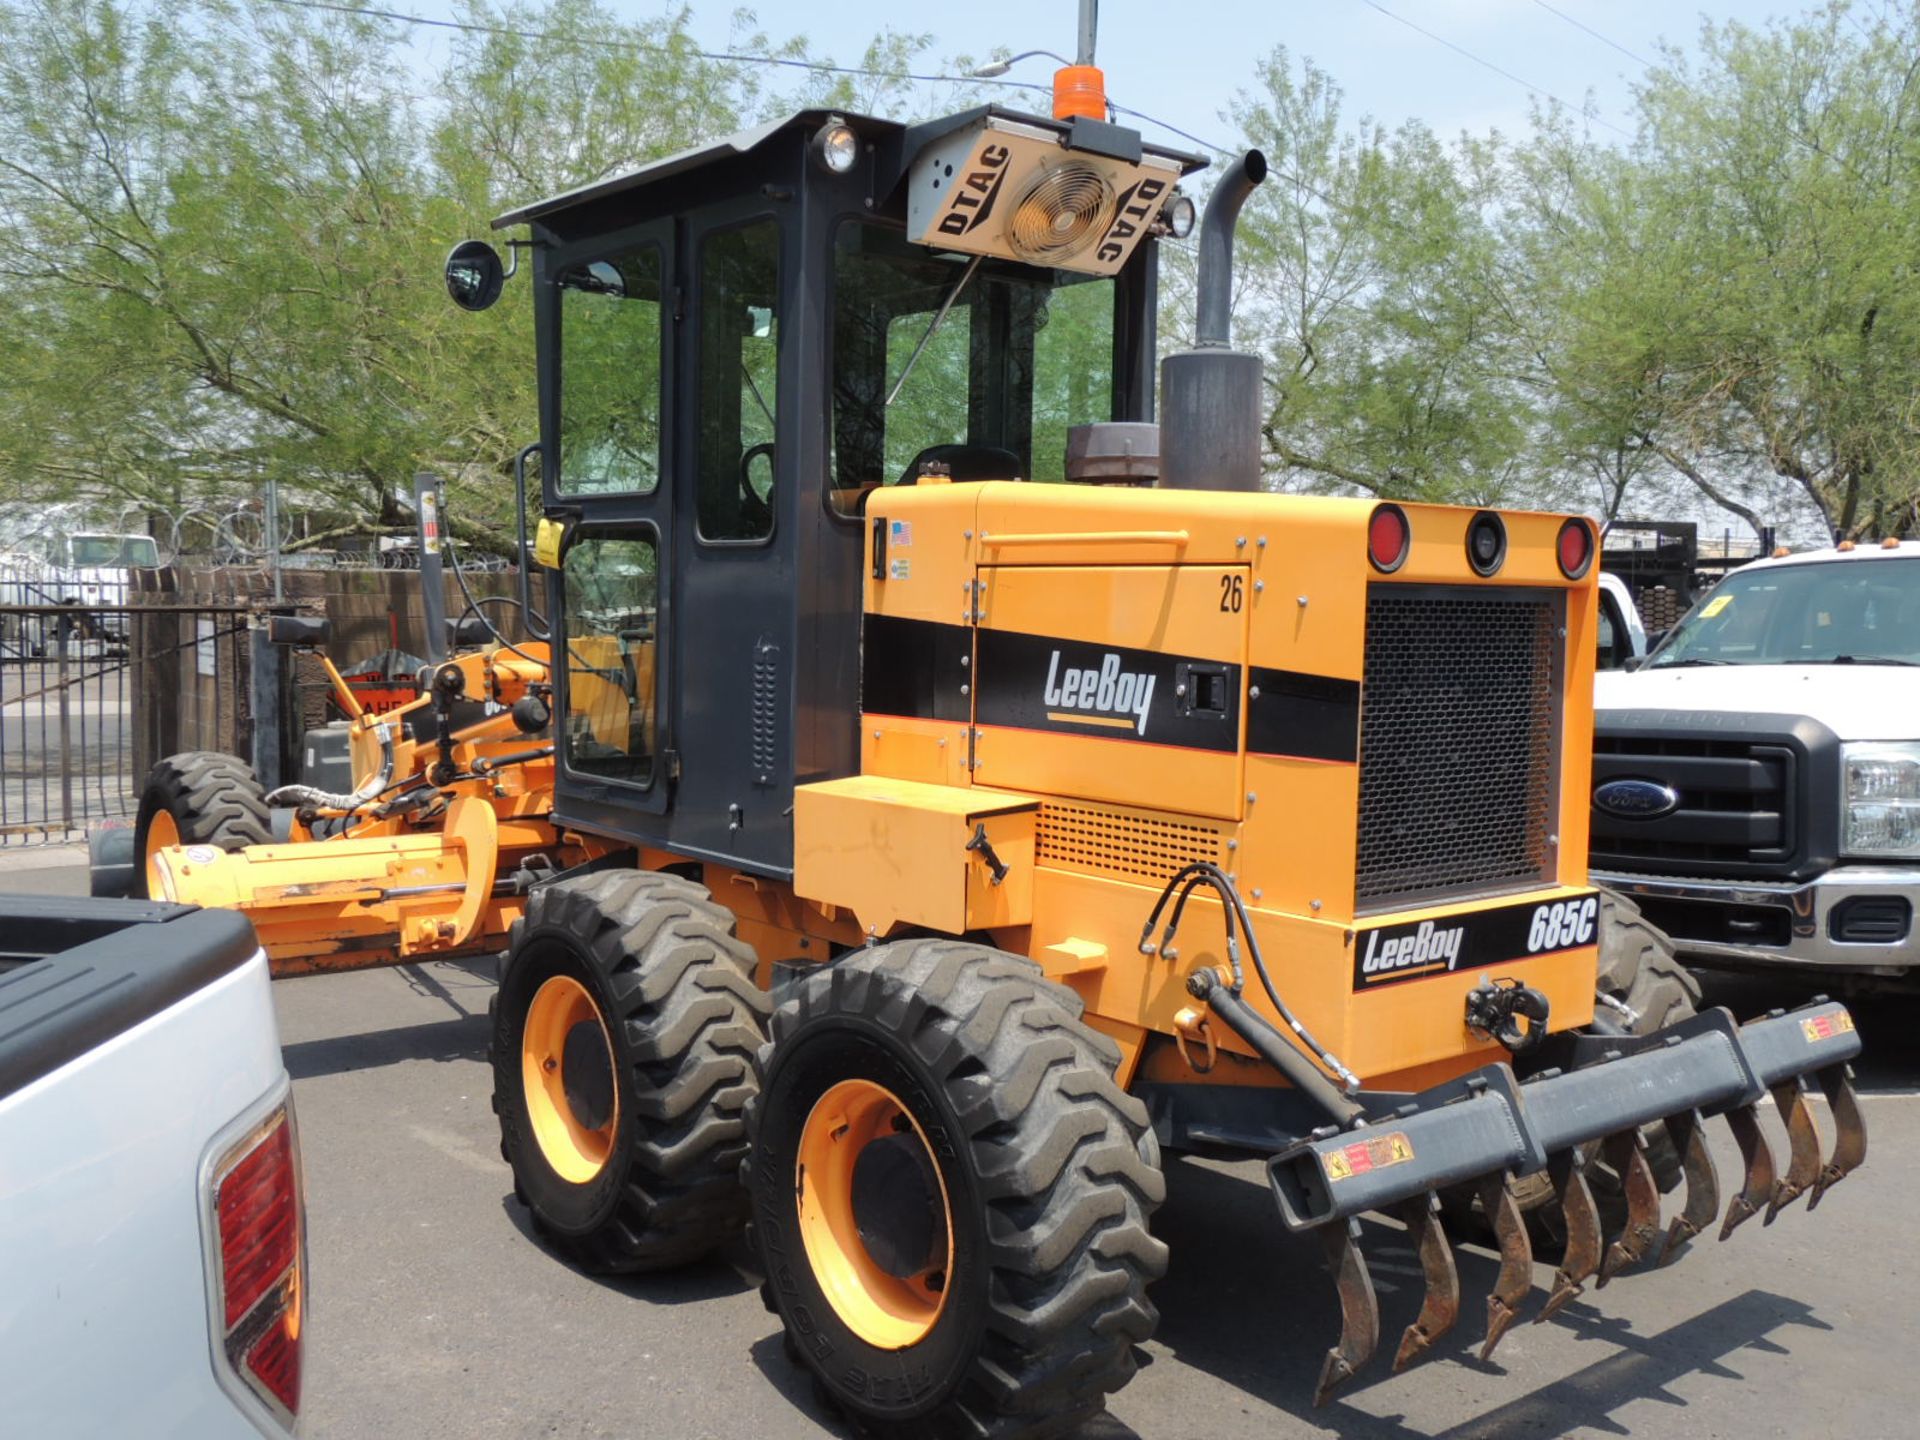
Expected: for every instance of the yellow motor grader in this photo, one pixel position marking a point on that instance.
(897, 855)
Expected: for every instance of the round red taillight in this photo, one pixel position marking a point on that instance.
(1576, 548)
(1389, 537)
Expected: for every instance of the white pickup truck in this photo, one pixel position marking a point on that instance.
(152, 1234)
(1757, 777)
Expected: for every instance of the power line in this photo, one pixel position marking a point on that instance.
(1526, 85)
(736, 57)
(591, 42)
(1603, 39)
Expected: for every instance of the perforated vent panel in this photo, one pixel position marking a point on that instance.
(1098, 841)
(1459, 742)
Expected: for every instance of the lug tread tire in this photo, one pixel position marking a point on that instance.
(214, 799)
(1065, 1160)
(692, 1019)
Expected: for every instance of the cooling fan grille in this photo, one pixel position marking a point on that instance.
(1060, 213)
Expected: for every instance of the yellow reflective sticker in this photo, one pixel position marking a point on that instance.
(1825, 1027)
(546, 542)
(1372, 1154)
(1715, 606)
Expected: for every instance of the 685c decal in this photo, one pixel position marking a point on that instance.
(1389, 954)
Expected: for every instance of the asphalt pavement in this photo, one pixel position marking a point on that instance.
(436, 1314)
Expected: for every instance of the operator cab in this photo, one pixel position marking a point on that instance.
(737, 346)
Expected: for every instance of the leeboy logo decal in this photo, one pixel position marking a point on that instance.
(1486, 939)
(1427, 948)
(1117, 693)
(1111, 695)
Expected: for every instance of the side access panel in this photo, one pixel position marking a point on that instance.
(1124, 683)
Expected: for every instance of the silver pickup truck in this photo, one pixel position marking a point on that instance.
(152, 1229)
(1757, 778)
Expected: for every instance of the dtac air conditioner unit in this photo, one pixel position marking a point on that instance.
(1016, 191)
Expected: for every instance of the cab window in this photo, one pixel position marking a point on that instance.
(739, 382)
(989, 389)
(610, 362)
(612, 590)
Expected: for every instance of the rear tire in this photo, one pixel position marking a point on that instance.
(624, 1033)
(200, 797)
(1009, 1308)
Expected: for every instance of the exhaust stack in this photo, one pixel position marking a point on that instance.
(1211, 396)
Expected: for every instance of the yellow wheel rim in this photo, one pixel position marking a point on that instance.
(163, 832)
(887, 1310)
(576, 1148)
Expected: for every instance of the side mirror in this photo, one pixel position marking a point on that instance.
(303, 632)
(1634, 662)
(475, 274)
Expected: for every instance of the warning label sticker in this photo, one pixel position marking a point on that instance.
(1825, 1027)
(1364, 1155)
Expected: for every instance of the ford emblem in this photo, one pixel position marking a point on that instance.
(1636, 799)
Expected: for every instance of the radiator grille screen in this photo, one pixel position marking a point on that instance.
(1130, 847)
(1459, 742)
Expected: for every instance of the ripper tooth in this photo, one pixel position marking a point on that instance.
(1850, 1131)
(1516, 1260)
(1580, 1217)
(1757, 1155)
(1702, 1182)
(1627, 1154)
(1440, 1304)
(1803, 1146)
(1359, 1310)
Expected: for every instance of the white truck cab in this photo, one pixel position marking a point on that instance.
(1757, 778)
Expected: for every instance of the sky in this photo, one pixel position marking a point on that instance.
(1181, 60)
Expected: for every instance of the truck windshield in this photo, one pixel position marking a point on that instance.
(1021, 355)
(1861, 611)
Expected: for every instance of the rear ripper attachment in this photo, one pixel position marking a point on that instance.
(1478, 1132)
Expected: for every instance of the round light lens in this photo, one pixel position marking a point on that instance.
(1388, 538)
(1575, 548)
(1486, 542)
(1179, 216)
(837, 146)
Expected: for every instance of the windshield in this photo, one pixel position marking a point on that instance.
(91, 550)
(1814, 614)
(1020, 355)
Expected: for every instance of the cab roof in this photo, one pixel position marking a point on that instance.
(895, 143)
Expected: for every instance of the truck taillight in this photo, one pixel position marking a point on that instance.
(258, 1229)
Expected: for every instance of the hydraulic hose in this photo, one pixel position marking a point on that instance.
(1273, 1047)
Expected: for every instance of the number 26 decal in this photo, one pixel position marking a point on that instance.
(1232, 593)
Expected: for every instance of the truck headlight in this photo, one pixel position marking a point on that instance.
(1881, 799)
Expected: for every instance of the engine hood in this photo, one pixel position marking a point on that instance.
(1856, 702)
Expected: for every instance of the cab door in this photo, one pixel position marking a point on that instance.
(606, 390)
(735, 538)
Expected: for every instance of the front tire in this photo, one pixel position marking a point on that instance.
(623, 1040)
(200, 797)
(951, 1195)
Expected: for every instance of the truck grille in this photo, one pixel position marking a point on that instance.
(1459, 742)
(1735, 809)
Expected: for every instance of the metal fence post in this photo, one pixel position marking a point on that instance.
(267, 675)
(63, 628)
